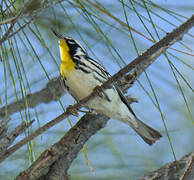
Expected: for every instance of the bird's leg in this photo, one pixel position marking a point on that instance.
(90, 111)
(100, 91)
(72, 110)
(83, 111)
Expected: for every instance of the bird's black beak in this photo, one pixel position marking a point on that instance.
(57, 34)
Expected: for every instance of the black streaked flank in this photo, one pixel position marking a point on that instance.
(96, 64)
(82, 69)
(98, 79)
(80, 64)
(64, 85)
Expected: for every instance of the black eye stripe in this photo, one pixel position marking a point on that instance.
(74, 47)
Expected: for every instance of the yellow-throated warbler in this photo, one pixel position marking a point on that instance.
(81, 74)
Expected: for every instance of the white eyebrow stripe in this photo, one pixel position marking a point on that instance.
(71, 42)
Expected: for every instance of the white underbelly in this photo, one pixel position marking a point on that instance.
(81, 84)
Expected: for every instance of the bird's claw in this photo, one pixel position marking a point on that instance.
(72, 111)
(100, 91)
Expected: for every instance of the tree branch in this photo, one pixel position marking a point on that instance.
(8, 138)
(169, 171)
(4, 127)
(48, 164)
(54, 162)
(51, 92)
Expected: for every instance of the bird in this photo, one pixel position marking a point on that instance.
(80, 75)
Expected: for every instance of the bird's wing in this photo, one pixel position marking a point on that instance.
(107, 76)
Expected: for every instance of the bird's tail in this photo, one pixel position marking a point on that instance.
(148, 134)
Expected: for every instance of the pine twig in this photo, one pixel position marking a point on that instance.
(14, 20)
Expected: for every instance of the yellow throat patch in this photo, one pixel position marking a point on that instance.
(67, 64)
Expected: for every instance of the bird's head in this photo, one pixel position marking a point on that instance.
(70, 45)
